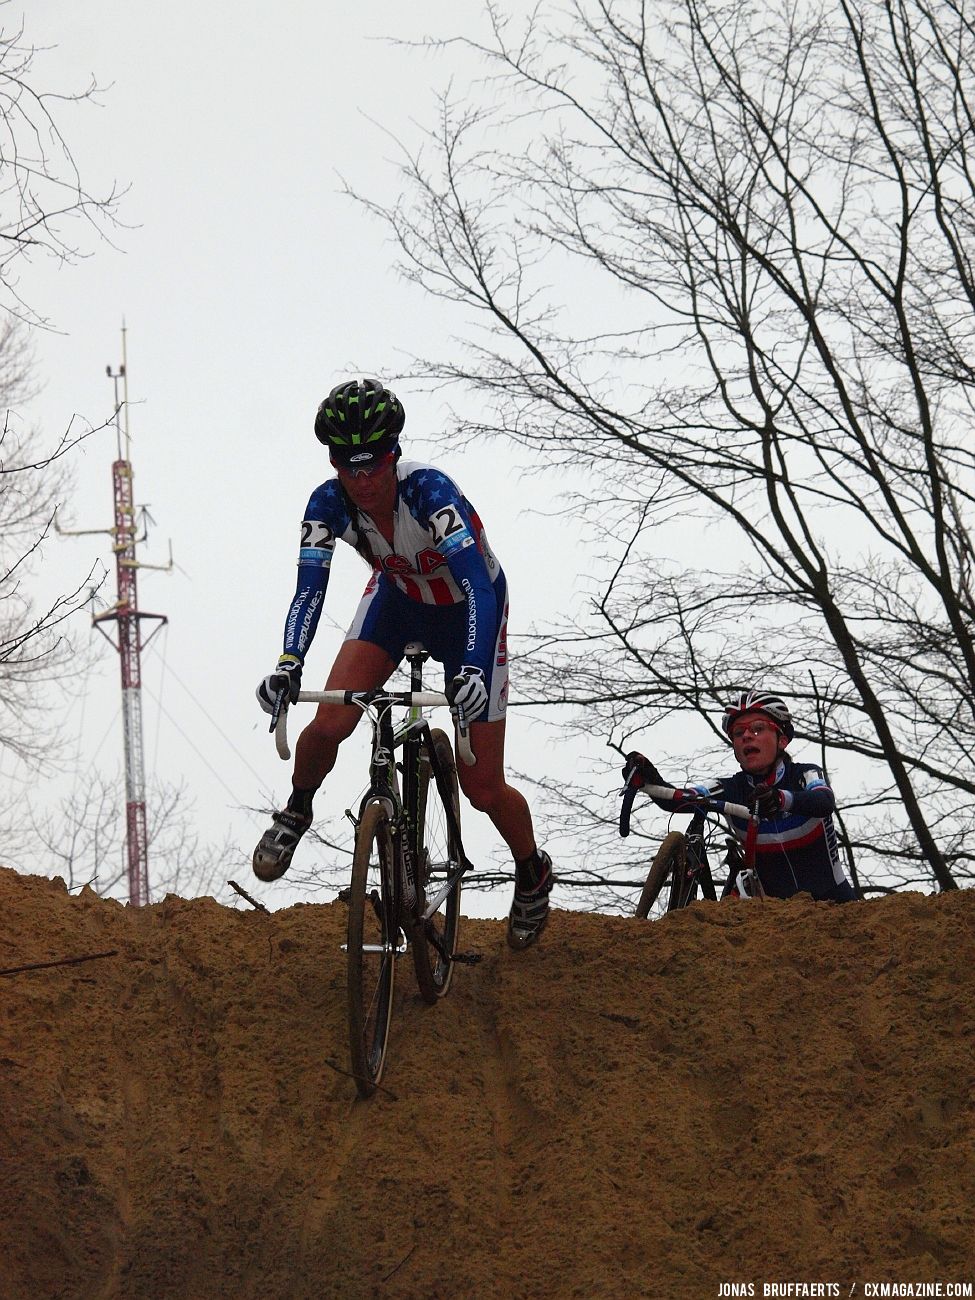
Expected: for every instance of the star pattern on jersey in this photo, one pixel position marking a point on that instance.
(424, 490)
(327, 504)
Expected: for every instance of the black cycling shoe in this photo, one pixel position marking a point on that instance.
(277, 845)
(529, 909)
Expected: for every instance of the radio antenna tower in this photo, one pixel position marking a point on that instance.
(129, 641)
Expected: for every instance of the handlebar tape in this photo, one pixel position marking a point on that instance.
(629, 794)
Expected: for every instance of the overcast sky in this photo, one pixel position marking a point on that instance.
(249, 284)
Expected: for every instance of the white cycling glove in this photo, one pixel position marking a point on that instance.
(468, 691)
(287, 675)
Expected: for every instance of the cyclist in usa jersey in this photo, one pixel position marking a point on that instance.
(796, 850)
(434, 579)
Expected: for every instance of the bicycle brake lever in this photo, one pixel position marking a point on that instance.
(280, 702)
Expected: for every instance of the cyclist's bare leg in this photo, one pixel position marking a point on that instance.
(487, 789)
(358, 666)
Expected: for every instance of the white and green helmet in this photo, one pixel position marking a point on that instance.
(359, 422)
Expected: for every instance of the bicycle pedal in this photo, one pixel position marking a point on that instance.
(467, 958)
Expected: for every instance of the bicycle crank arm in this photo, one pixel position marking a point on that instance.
(430, 935)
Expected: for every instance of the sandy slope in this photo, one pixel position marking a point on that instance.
(739, 1092)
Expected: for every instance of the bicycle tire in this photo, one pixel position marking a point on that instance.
(435, 851)
(668, 861)
(371, 951)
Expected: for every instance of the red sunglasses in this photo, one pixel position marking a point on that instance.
(757, 728)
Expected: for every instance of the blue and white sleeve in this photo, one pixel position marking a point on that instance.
(816, 799)
(470, 573)
(318, 532)
(455, 538)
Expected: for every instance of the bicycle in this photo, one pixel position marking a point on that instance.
(681, 861)
(407, 846)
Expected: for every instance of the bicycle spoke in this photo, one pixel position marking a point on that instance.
(437, 853)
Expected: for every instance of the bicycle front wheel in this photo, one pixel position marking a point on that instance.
(668, 864)
(371, 956)
(436, 854)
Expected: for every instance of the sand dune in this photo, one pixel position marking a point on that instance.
(740, 1093)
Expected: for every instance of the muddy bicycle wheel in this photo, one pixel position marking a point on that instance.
(436, 852)
(371, 955)
(667, 865)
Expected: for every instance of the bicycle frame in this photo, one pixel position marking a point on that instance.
(700, 839)
(698, 869)
(407, 813)
(408, 860)
(748, 882)
(377, 705)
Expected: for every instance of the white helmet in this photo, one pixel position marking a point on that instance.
(759, 701)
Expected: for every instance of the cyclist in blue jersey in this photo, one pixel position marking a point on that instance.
(434, 579)
(797, 851)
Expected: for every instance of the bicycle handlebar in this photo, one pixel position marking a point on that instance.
(410, 699)
(691, 799)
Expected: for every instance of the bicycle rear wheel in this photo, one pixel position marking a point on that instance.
(371, 955)
(668, 864)
(436, 852)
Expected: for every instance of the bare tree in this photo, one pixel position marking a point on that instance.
(45, 210)
(37, 651)
(83, 840)
(721, 254)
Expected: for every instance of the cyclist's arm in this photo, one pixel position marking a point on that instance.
(322, 523)
(706, 789)
(469, 571)
(455, 536)
(815, 800)
(306, 609)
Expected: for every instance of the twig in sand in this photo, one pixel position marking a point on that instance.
(62, 961)
(244, 894)
(401, 1263)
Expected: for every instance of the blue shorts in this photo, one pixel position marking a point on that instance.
(389, 619)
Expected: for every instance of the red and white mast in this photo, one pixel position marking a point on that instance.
(129, 643)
